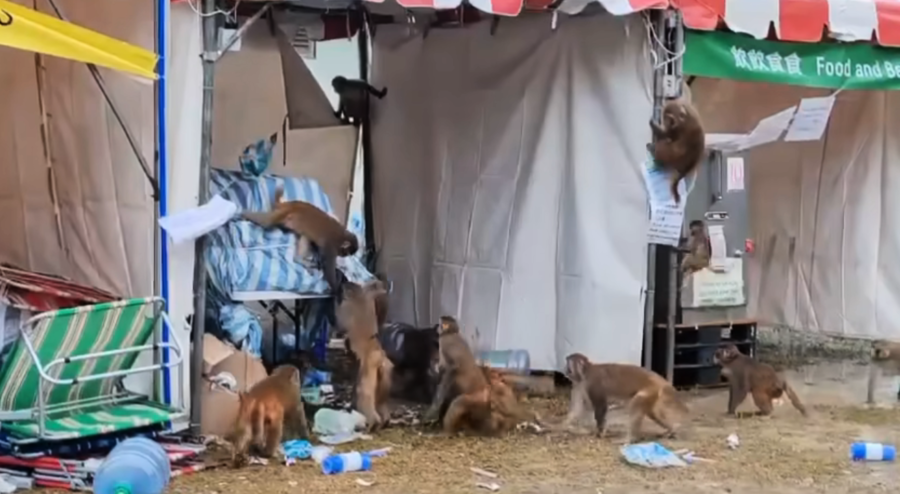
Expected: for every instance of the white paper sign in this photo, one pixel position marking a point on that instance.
(718, 247)
(666, 217)
(770, 129)
(193, 223)
(735, 173)
(811, 119)
(719, 289)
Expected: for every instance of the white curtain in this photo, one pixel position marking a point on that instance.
(507, 187)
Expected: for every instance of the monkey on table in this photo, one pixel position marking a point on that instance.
(698, 249)
(313, 227)
(269, 413)
(647, 393)
(353, 98)
(680, 142)
(356, 315)
(746, 375)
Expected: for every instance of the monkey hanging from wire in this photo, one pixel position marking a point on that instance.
(354, 94)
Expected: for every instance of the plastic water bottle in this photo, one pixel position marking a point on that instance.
(516, 361)
(872, 452)
(346, 462)
(135, 466)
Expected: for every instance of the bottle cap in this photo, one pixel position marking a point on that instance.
(122, 488)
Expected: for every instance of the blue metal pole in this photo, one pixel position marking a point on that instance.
(162, 159)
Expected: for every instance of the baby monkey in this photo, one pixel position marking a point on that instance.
(698, 249)
(353, 102)
(746, 375)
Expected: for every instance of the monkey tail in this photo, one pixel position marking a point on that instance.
(795, 400)
(676, 177)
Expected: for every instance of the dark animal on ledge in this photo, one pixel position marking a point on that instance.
(353, 94)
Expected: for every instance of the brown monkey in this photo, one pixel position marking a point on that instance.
(698, 248)
(353, 94)
(680, 142)
(506, 411)
(886, 358)
(647, 393)
(357, 316)
(312, 226)
(745, 375)
(460, 373)
(269, 412)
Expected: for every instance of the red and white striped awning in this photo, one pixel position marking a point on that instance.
(799, 20)
(515, 7)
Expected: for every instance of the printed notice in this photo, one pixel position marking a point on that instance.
(811, 119)
(719, 289)
(770, 129)
(666, 217)
(718, 256)
(735, 166)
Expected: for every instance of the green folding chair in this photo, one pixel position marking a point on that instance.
(63, 377)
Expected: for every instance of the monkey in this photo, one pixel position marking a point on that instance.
(270, 411)
(745, 375)
(698, 249)
(460, 372)
(312, 226)
(680, 142)
(886, 358)
(505, 410)
(353, 94)
(648, 394)
(356, 316)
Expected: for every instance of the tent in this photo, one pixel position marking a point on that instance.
(76, 197)
(506, 186)
(822, 212)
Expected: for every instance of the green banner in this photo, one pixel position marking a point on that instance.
(832, 65)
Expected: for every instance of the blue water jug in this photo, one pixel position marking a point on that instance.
(135, 466)
(516, 361)
(872, 452)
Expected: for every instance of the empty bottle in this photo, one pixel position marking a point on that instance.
(135, 466)
(346, 462)
(872, 452)
(516, 361)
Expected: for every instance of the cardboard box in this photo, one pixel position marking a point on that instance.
(219, 407)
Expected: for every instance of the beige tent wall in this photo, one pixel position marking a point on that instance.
(508, 190)
(822, 213)
(105, 201)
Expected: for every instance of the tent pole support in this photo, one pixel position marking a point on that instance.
(676, 28)
(366, 142)
(132, 142)
(210, 41)
(658, 18)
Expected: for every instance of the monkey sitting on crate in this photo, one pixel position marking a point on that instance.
(353, 102)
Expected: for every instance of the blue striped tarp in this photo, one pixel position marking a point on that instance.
(241, 256)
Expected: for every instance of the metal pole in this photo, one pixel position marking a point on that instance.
(676, 28)
(366, 142)
(210, 42)
(132, 142)
(215, 56)
(658, 19)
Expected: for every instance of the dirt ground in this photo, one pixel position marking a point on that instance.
(786, 453)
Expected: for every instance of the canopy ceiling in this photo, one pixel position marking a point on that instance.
(799, 20)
